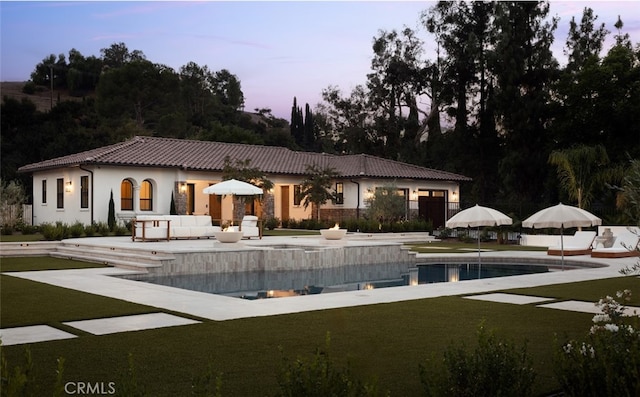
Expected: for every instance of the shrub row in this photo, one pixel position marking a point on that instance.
(60, 230)
(353, 225)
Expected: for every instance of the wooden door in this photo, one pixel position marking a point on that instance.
(284, 207)
(215, 208)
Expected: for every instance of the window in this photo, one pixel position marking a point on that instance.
(339, 193)
(60, 193)
(296, 194)
(44, 191)
(126, 195)
(146, 196)
(84, 192)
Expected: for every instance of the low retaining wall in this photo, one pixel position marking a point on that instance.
(34, 248)
(283, 258)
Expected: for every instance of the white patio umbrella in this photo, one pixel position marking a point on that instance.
(233, 187)
(559, 217)
(478, 216)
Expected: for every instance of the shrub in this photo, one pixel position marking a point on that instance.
(7, 230)
(28, 229)
(494, 368)
(29, 88)
(320, 377)
(607, 362)
(53, 232)
(271, 223)
(102, 228)
(119, 230)
(90, 230)
(76, 230)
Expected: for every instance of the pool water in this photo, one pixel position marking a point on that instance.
(276, 284)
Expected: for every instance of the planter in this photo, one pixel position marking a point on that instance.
(333, 234)
(228, 237)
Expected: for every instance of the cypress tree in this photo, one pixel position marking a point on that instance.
(111, 216)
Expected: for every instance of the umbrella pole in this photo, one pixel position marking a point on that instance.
(562, 246)
(479, 261)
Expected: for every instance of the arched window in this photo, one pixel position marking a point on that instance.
(146, 196)
(126, 195)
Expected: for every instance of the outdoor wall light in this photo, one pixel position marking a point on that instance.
(183, 187)
(68, 188)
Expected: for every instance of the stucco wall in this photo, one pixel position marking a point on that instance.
(105, 179)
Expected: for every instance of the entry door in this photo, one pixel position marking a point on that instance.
(215, 208)
(191, 198)
(284, 197)
(432, 208)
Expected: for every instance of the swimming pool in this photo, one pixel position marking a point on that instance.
(276, 284)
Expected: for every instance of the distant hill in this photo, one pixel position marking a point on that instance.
(41, 98)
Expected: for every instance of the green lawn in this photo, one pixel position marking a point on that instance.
(386, 342)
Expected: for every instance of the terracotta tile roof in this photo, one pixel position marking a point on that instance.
(144, 151)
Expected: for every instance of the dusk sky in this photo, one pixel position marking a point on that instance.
(278, 50)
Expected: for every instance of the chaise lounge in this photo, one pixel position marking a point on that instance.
(578, 244)
(625, 245)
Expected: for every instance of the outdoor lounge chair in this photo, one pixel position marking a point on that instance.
(578, 244)
(249, 227)
(625, 245)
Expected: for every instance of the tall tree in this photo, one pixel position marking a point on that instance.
(584, 41)
(524, 67)
(392, 86)
(297, 123)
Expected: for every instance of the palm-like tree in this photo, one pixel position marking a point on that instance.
(316, 187)
(581, 169)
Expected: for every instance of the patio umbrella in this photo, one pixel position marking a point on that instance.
(233, 187)
(478, 216)
(561, 216)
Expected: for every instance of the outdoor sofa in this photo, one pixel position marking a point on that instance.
(166, 227)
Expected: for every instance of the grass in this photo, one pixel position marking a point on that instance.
(386, 342)
(455, 246)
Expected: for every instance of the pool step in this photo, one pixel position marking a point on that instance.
(122, 258)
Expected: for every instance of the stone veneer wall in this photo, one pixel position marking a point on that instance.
(285, 258)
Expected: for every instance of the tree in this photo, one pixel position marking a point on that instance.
(111, 216)
(393, 86)
(118, 55)
(581, 170)
(172, 206)
(196, 93)
(12, 196)
(241, 170)
(584, 42)
(140, 91)
(316, 186)
(462, 84)
(386, 205)
(629, 193)
(524, 67)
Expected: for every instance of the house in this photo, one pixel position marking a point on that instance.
(143, 174)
